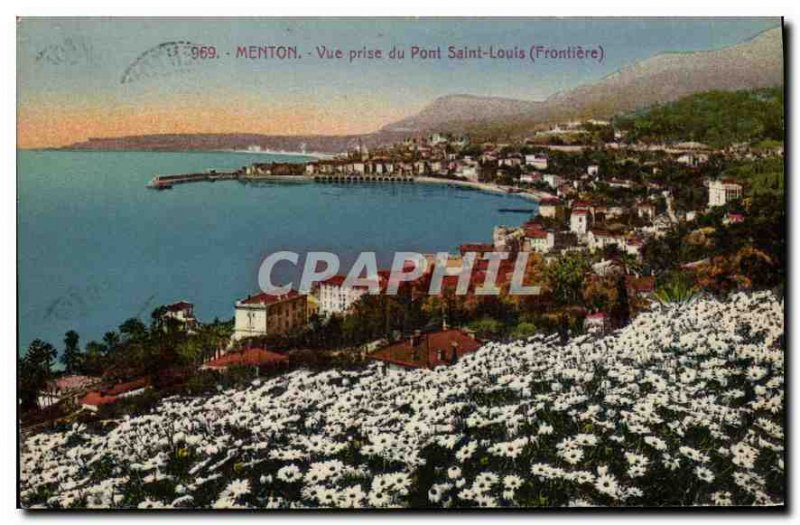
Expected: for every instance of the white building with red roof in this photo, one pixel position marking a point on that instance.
(579, 221)
(183, 313)
(269, 314)
(537, 239)
(599, 238)
(596, 323)
(634, 246)
(549, 206)
(336, 297)
(93, 400)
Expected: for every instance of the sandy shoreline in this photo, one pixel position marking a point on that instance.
(310, 154)
(533, 195)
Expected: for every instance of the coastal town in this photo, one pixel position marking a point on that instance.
(420, 263)
(599, 249)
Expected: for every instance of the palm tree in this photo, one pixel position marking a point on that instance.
(71, 357)
(679, 288)
(133, 329)
(630, 263)
(111, 340)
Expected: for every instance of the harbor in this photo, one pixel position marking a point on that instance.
(166, 182)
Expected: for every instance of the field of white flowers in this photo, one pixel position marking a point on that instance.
(682, 407)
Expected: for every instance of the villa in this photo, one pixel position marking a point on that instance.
(249, 357)
(721, 192)
(552, 180)
(530, 178)
(269, 314)
(182, 313)
(693, 159)
(106, 396)
(537, 239)
(646, 210)
(579, 221)
(599, 239)
(427, 350)
(549, 207)
(538, 162)
(334, 297)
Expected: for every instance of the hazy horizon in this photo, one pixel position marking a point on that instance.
(71, 71)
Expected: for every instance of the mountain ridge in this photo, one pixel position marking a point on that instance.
(665, 77)
(754, 63)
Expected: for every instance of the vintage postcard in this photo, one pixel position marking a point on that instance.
(400, 263)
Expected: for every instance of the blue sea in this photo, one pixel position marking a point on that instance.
(96, 247)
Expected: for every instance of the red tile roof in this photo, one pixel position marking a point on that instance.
(634, 241)
(338, 281)
(428, 350)
(449, 281)
(121, 388)
(265, 298)
(108, 395)
(247, 357)
(477, 278)
(97, 399)
(180, 305)
(642, 285)
(476, 247)
(535, 231)
(600, 232)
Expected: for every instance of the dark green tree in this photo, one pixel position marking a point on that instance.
(133, 330)
(111, 341)
(35, 370)
(71, 357)
(565, 278)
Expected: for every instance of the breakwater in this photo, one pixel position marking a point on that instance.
(165, 182)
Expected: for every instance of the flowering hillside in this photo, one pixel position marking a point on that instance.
(682, 407)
